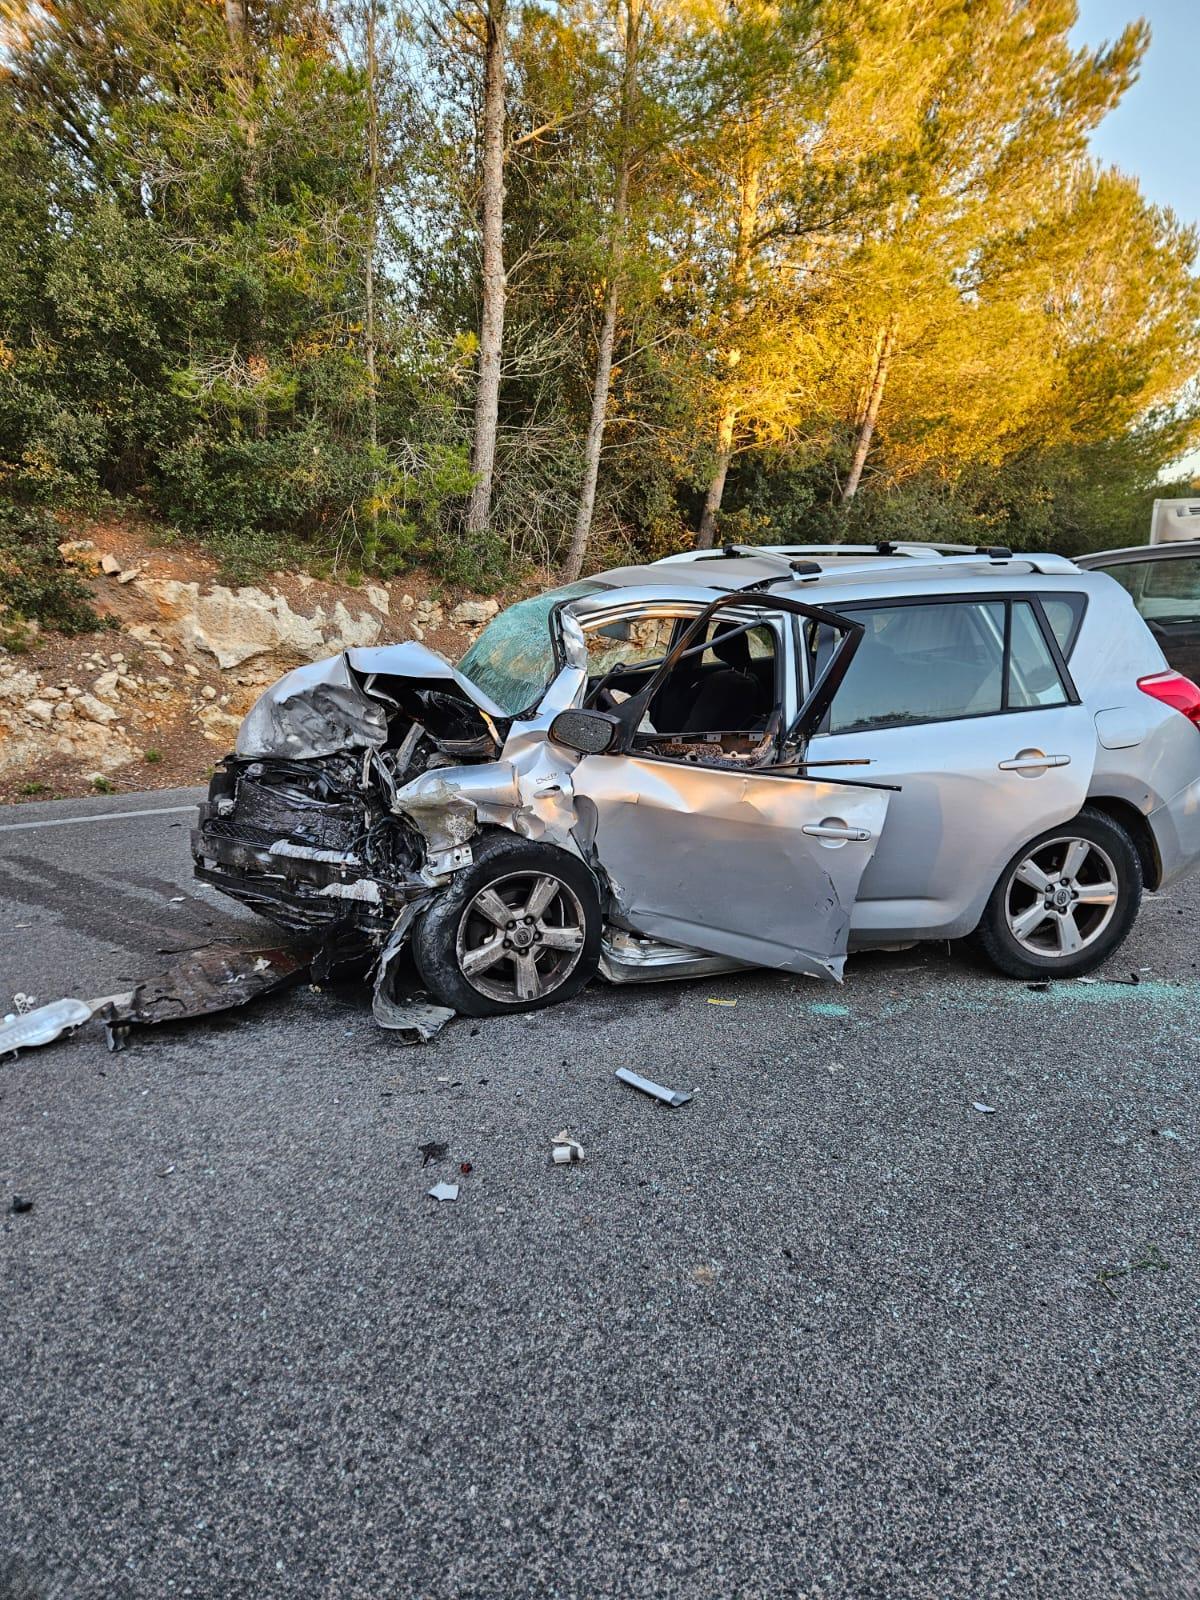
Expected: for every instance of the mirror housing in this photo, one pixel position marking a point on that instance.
(591, 733)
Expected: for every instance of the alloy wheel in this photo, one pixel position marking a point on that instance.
(1061, 897)
(521, 937)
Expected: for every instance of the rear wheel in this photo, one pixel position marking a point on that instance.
(1065, 901)
(518, 930)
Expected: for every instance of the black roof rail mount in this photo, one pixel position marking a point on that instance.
(885, 547)
(994, 552)
(806, 569)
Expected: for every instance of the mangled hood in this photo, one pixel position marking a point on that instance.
(342, 702)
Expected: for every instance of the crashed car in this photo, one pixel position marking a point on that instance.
(748, 760)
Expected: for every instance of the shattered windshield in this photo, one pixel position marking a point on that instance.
(512, 660)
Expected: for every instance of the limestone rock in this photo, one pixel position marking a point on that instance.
(109, 564)
(379, 598)
(235, 624)
(475, 611)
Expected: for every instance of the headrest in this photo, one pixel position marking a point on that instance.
(733, 652)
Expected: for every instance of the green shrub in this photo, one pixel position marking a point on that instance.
(36, 584)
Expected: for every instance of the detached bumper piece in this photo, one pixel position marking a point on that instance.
(204, 981)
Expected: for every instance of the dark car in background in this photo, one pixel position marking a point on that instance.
(1164, 582)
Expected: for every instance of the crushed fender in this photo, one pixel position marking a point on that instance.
(205, 981)
(669, 1097)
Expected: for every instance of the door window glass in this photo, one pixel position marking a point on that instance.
(922, 663)
(1033, 678)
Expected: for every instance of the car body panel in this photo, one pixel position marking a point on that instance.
(721, 861)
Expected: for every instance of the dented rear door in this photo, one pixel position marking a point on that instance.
(759, 866)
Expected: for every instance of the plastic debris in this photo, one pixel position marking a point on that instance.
(978, 1105)
(1039, 986)
(443, 1191)
(166, 1171)
(669, 1097)
(719, 1000)
(416, 1021)
(23, 1003)
(42, 1025)
(566, 1149)
(20, 1205)
(432, 1152)
(1167, 1133)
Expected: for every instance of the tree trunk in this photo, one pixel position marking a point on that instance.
(369, 285)
(491, 324)
(236, 23)
(747, 227)
(608, 329)
(707, 533)
(866, 430)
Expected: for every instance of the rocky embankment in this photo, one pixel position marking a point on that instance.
(155, 696)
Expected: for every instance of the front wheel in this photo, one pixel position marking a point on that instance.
(1065, 901)
(518, 930)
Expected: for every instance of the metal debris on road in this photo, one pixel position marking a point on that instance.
(443, 1191)
(978, 1105)
(414, 1020)
(42, 1025)
(166, 1172)
(669, 1097)
(20, 1205)
(432, 1152)
(205, 981)
(1039, 986)
(565, 1149)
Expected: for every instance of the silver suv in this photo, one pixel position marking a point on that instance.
(761, 759)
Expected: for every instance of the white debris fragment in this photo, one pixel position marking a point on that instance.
(669, 1097)
(42, 1025)
(566, 1149)
(978, 1105)
(443, 1191)
(1168, 1133)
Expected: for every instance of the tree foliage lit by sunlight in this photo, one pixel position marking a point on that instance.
(496, 286)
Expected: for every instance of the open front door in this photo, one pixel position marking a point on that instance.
(760, 867)
(750, 859)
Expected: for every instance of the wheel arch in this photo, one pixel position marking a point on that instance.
(1126, 815)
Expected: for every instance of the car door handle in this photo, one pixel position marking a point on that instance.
(1027, 762)
(827, 830)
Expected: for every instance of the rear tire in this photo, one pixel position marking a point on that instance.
(1065, 901)
(517, 930)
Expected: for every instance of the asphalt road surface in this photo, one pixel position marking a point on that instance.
(826, 1331)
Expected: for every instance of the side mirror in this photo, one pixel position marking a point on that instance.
(591, 733)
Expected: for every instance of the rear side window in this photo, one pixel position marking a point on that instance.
(943, 661)
(1064, 613)
(1033, 678)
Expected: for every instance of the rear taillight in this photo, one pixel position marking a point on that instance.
(1173, 689)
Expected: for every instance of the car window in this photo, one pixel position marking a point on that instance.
(1033, 678)
(1170, 591)
(1064, 613)
(512, 660)
(922, 663)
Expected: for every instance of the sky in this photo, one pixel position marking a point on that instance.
(1153, 132)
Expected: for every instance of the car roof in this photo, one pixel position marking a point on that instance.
(1141, 552)
(667, 581)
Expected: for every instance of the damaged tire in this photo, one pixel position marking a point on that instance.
(517, 930)
(1065, 901)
